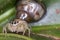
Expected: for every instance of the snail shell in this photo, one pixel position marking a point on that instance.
(29, 11)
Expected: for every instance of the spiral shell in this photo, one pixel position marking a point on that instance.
(29, 11)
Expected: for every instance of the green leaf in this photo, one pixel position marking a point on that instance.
(7, 15)
(5, 5)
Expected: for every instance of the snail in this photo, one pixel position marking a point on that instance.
(30, 10)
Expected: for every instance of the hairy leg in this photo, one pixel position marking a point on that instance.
(4, 30)
(29, 32)
(23, 32)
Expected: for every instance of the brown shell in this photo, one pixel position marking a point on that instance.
(29, 11)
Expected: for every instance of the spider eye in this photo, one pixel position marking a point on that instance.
(17, 21)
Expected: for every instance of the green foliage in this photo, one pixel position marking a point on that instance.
(53, 30)
(5, 5)
(7, 16)
(13, 37)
